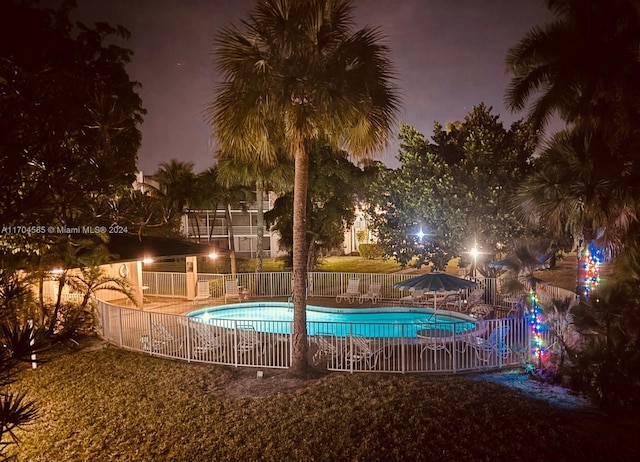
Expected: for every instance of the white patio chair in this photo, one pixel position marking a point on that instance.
(360, 350)
(373, 293)
(207, 342)
(494, 345)
(160, 340)
(352, 293)
(232, 290)
(249, 340)
(475, 297)
(202, 292)
(327, 348)
(453, 301)
(415, 297)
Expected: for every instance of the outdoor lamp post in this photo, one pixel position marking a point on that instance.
(474, 254)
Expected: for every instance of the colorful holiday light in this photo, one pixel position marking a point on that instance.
(537, 327)
(593, 258)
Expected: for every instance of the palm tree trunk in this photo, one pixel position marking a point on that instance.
(299, 362)
(54, 317)
(213, 221)
(259, 225)
(232, 244)
(195, 216)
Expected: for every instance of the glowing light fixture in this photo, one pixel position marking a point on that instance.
(474, 253)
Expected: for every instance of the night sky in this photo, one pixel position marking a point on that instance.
(449, 56)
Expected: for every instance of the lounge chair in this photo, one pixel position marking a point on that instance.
(328, 348)
(494, 345)
(475, 297)
(160, 340)
(352, 293)
(362, 350)
(206, 342)
(415, 297)
(481, 311)
(440, 300)
(373, 293)
(435, 339)
(249, 340)
(452, 301)
(232, 290)
(203, 292)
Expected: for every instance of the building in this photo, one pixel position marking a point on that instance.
(213, 227)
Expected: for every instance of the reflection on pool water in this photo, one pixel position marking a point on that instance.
(276, 317)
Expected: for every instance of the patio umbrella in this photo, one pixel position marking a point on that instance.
(500, 264)
(435, 282)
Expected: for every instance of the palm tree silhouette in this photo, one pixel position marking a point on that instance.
(297, 71)
(581, 66)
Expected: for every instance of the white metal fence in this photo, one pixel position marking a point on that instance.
(278, 284)
(384, 347)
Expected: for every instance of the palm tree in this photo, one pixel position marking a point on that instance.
(527, 255)
(584, 65)
(585, 184)
(213, 192)
(297, 71)
(177, 180)
(265, 177)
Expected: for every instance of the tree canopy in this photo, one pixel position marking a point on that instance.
(454, 190)
(334, 183)
(68, 120)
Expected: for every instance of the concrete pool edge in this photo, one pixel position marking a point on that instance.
(334, 310)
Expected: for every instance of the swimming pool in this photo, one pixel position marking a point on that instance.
(276, 317)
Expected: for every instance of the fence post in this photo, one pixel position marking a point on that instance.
(453, 349)
(189, 349)
(120, 328)
(235, 343)
(402, 350)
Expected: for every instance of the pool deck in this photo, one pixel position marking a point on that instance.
(184, 306)
(181, 306)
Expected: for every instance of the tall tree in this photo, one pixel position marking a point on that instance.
(487, 162)
(416, 210)
(68, 118)
(584, 65)
(295, 71)
(265, 177)
(455, 190)
(334, 184)
(215, 192)
(177, 187)
(586, 184)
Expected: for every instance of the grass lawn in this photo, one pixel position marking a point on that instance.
(563, 275)
(113, 405)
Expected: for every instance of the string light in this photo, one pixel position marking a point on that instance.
(537, 326)
(593, 257)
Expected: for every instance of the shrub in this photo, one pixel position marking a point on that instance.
(371, 251)
(607, 366)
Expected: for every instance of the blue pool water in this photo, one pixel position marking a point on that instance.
(276, 317)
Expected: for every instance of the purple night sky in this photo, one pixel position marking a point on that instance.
(449, 56)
